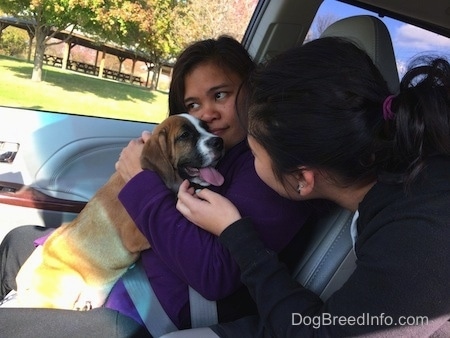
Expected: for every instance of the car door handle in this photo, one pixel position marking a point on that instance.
(8, 151)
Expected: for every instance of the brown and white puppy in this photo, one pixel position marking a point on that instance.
(81, 260)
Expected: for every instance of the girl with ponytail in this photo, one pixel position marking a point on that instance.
(323, 124)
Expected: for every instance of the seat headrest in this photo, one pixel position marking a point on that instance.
(372, 35)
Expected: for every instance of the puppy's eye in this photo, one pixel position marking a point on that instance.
(185, 135)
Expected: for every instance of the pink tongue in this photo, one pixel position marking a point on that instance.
(211, 175)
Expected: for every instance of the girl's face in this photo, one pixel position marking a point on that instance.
(263, 167)
(210, 95)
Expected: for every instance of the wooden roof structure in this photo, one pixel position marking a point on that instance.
(78, 39)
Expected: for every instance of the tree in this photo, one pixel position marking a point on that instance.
(321, 23)
(46, 17)
(110, 19)
(13, 42)
(205, 19)
(161, 28)
(173, 24)
(177, 23)
(160, 41)
(119, 21)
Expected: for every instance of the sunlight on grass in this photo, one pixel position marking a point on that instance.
(70, 92)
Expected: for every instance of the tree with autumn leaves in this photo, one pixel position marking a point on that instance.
(113, 20)
(159, 28)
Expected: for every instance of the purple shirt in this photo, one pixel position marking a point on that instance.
(182, 254)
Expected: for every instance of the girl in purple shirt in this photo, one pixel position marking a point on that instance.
(206, 81)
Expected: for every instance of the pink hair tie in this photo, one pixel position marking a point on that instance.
(388, 114)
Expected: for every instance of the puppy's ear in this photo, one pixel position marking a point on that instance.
(156, 156)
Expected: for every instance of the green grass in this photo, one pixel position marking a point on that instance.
(70, 92)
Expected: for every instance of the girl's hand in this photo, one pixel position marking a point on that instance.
(129, 163)
(208, 210)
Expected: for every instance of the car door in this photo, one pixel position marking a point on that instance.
(51, 164)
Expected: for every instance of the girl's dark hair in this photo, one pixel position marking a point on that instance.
(225, 52)
(421, 125)
(320, 105)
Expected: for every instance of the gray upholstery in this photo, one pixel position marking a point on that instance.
(372, 35)
(329, 258)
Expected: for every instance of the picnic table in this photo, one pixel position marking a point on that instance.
(86, 68)
(119, 76)
(52, 60)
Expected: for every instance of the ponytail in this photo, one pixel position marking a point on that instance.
(421, 115)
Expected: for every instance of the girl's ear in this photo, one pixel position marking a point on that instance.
(306, 180)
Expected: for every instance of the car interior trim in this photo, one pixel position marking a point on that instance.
(20, 195)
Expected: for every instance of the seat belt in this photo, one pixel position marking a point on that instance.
(147, 304)
(203, 311)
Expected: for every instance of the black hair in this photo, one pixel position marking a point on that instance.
(421, 125)
(320, 105)
(225, 52)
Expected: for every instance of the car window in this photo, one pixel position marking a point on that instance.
(408, 40)
(102, 75)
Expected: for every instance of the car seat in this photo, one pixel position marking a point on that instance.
(372, 35)
(328, 259)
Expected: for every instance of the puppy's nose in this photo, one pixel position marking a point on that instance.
(215, 143)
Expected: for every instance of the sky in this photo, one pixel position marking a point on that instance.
(408, 40)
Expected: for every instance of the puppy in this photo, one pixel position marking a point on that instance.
(81, 260)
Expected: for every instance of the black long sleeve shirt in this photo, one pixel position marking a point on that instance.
(402, 274)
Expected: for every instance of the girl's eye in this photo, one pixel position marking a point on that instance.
(192, 106)
(220, 95)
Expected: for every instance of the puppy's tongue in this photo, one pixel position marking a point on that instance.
(211, 175)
